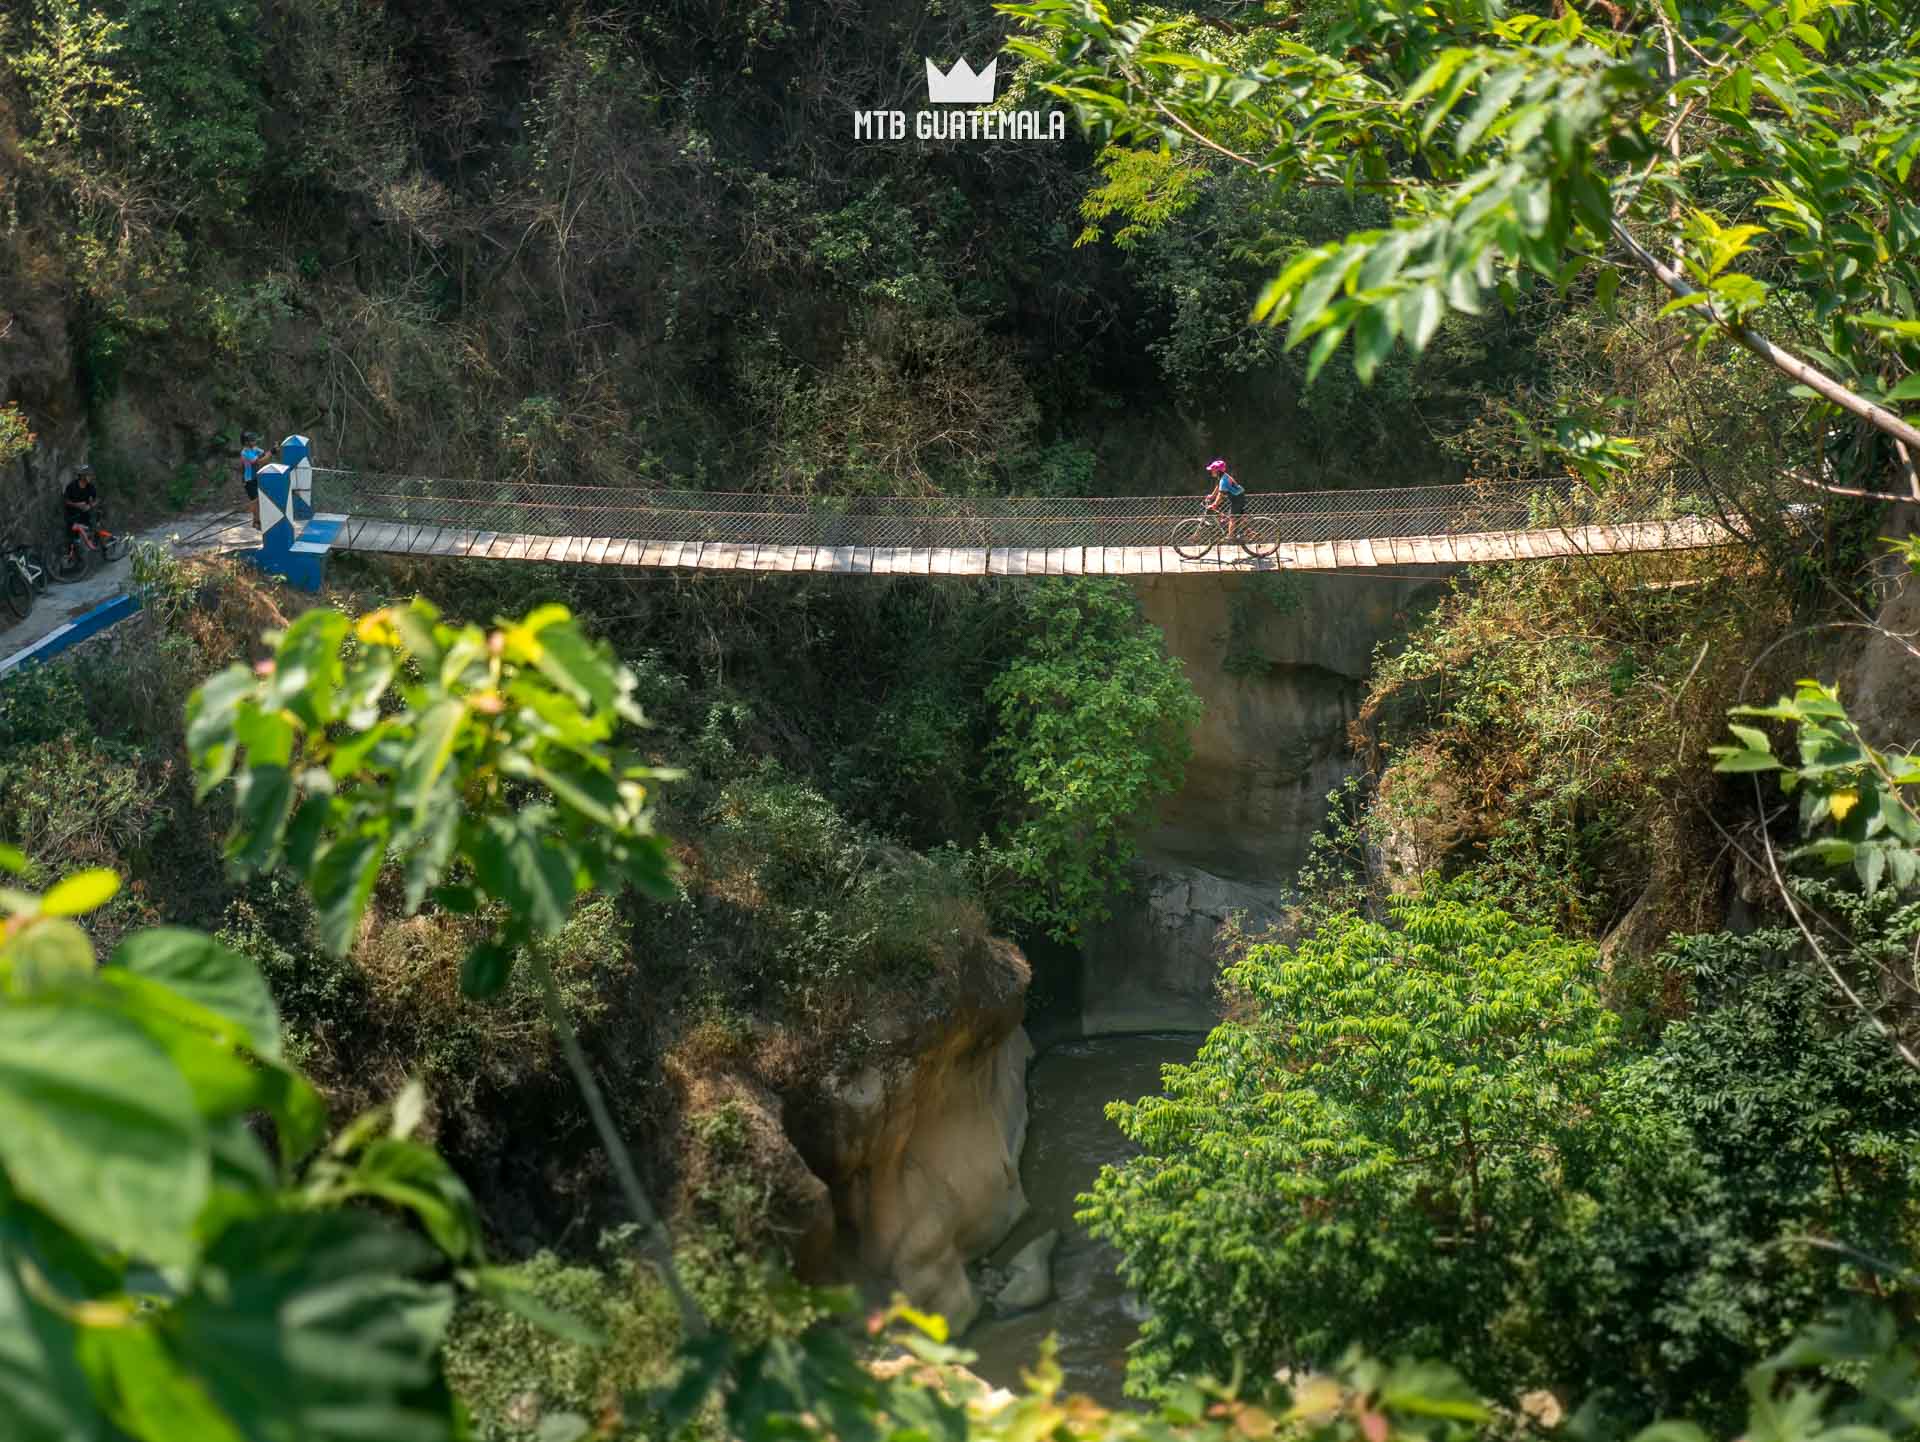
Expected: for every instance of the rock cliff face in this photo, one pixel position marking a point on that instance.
(1270, 745)
(1152, 966)
(920, 1146)
(1273, 740)
(36, 374)
(1882, 687)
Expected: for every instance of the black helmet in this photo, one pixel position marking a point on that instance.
(83, 469)
(247, 438)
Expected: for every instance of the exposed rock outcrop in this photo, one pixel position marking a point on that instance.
(1153, 965)
(919, 1146)
(1029, 1275)
(1272, 740)
(1882, 688)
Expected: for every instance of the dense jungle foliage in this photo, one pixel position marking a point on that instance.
(410, 1023)
(623, 244)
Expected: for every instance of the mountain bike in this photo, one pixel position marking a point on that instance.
(1195, 537)
(84, 547)
(23, 575)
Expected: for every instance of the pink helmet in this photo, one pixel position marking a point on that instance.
(1216, 465)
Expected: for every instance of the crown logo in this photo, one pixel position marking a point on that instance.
(962, 86)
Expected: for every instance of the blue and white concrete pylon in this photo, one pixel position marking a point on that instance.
(294, 542)
(296, 454)
(277, 529)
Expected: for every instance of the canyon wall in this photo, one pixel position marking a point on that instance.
(919, 1145)
(1269, 746)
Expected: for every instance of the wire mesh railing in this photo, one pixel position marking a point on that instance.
(641, 513)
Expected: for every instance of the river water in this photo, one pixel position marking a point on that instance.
(1068, 1140)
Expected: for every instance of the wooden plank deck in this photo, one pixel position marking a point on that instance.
(425, 539)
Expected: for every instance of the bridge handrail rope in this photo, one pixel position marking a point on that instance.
(769, 518)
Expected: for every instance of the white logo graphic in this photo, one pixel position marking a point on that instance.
(983, 122)
(962, 86)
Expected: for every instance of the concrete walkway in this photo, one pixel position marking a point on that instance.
(188, 535)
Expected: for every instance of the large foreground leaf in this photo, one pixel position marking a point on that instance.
(99, 1128)
(43, 1396)
(309, 1329)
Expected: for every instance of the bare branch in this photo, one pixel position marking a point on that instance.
(1818, 381)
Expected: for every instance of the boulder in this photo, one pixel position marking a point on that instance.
(1029, 1281)
(1153, 966)
(919, 1146)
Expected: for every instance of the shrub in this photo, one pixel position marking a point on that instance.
(1786, 1174)
(1092, 720)
(72, 803)
(1365, 1150)
(39, 704)
(513, 1374)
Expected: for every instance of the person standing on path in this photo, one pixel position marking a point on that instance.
(251, 456)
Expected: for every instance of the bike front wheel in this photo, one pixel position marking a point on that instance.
(73, 561)
(1260, 535)
(37, 564)
(1194, 537)
(15, 589)
(116, 549)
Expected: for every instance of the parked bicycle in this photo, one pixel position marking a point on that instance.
(1195, 538)
(23, 575)
(85, 547)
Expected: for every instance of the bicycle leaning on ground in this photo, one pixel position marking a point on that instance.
(1196, 536)
(84, 547)
(23, 575)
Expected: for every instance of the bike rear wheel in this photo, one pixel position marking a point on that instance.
(73, 560)
(1194, 537)
(1260, 535)
(15, 589)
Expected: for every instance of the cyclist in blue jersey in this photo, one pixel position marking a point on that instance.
(252, 455)
(1227, 491)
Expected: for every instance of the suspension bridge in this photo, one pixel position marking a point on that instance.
(1470, 523)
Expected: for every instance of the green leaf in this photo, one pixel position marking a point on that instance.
(44, 1396)
(305, 830)
(417, 1178)
(99, 1129)
(1733, 761)
(1493, 100)
(433, 741)
(263, 798)
(1605, 288)
(80, 893)
(307, 1327)
(13, 859)
(1870, 865)
(1310, 303)
(49, 953)
(1372, 339)
(211, 741)
(1429, 307)
(145, 1389)
(516, 867)
(485, 970)
(1670, 1432)
(569, 660)
(221, 987)
(342, 881)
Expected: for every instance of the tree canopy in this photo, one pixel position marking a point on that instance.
(1753, 158)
